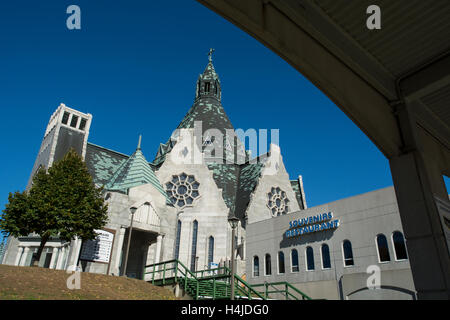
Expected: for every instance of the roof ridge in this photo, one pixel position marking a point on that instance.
(103, 148)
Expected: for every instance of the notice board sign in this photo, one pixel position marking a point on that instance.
(99, 249)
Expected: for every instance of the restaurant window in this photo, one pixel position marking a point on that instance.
(326, 261)
(383, 249)
(399, 246)
(348, 253)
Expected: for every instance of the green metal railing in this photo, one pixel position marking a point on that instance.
(203, 284)
(173, 271)
(285, 289)
(216, 283)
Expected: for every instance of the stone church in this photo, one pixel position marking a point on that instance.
(183, 198)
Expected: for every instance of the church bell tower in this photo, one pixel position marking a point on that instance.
(67, 128)
(208, 83)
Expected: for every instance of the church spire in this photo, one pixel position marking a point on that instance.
(208, 83)
(139, 142)
(211, 51)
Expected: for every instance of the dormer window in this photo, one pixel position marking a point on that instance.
(207, 87)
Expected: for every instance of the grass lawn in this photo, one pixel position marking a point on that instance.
(34, 283)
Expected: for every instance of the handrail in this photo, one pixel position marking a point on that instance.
(213, 276)
(286, 285)
(298, 291)
(250, 288)
(176, 268)
(218, 269)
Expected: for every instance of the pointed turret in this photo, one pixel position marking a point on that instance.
(209, 112)
(207, 106)
(135, 171)
(208, 83)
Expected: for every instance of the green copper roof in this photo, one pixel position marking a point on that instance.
(135, 171)
(103, 163)
(237, 180)
(210, 73)
(237, 183)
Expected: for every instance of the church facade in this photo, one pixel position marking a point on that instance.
(178, 206)
(182, 198)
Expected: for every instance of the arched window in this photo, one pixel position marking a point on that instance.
(194, 245)
(348, 253)
(255, 266)
(326, 261)
(210, 251)
(268, 265)
(207, 87)
(177, 242)
(294, 259)
(280, 262)
(399, 246)
(383, 249)
(309, 259)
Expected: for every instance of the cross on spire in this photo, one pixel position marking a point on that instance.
(211, 50)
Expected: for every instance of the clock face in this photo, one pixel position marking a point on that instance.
(277, 202)
(183, 190)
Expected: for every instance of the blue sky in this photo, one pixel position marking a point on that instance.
(134, 65)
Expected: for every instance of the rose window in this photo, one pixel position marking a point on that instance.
(278, 202)
(182, 190)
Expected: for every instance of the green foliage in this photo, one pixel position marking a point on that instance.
(62, 202)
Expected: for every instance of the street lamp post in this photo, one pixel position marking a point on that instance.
(234, 223)
(132, 210)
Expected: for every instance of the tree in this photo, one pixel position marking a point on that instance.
(62, 202)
